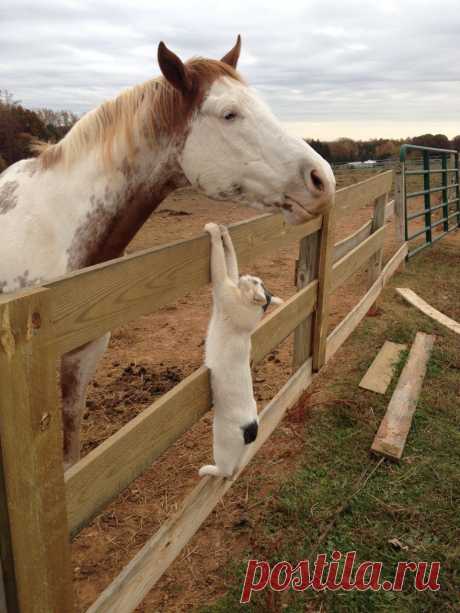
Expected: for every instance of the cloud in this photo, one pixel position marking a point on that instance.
(317, 61)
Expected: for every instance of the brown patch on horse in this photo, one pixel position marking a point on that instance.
(8, 197)
(104, 234)
(148, 111)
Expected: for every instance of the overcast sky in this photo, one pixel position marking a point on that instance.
(328, 68)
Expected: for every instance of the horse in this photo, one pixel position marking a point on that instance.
(81, 200)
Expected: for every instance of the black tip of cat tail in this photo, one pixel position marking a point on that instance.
(250, 432)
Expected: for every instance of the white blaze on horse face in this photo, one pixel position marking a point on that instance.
(237, 150)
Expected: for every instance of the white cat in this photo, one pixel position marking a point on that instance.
(239, 304)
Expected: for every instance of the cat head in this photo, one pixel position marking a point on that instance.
(254, 293)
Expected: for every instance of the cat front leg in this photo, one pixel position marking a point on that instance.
(230, 255)
(218, 264)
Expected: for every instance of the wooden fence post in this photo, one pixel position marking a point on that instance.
(307, 270)
(321, 314)
(32, 461)
(375, 262)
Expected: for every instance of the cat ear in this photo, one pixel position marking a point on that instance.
(277, 300)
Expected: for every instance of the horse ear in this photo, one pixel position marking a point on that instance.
(231, 58)
(173, 69)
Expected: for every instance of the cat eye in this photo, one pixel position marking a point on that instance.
(230, 116)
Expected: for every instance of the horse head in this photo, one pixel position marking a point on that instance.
(234, 148)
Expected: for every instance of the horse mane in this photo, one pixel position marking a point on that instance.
(149, 110)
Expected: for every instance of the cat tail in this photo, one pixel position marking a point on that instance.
(209, 469)
(250, 432)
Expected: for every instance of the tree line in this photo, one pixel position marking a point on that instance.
(19, 126)
(344, 150)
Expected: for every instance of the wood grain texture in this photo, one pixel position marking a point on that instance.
(340, 334)
(325, 282)
(92, 301)
(307, 271)
(360, 194)
(8, 589)
(108, 469)
(31, 447)
(380, 373)
(143, 571)
(378, 221)
(394, 428)
(356, 258)
(412, 298)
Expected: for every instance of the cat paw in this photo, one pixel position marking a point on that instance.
(212, 229)
(209, 469)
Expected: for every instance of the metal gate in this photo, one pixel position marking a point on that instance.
(437, 170)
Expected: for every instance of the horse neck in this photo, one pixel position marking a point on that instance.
(119, 200)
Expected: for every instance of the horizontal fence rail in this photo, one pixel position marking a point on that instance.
(37, 326)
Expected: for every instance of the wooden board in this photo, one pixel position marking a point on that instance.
(339, 335)
(325, 276)
(360, 194)
(356, 258)
(108, 469)
(380, 373)
(412, 298)
(31, 456)
(92, 301)
(144, 570)
(392, 433)
(353, 240)
(306, 271)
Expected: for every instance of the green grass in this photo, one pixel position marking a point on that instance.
(416, 501)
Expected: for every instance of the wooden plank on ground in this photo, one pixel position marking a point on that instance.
(92, 301)
(356, 258)
(360, 194)
(412, 298)
(340, 334)
(144, 570)
(392, 433)
(105, 471)
(380, 373)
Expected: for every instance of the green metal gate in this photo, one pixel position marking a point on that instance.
(438, 171)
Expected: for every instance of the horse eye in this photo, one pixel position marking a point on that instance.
(230, 116)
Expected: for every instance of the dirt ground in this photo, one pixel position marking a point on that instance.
(148, 357)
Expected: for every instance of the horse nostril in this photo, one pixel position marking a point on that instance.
(317, 181)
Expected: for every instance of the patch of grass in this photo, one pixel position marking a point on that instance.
(341, 498)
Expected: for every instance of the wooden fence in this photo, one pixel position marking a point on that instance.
(40, 505)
